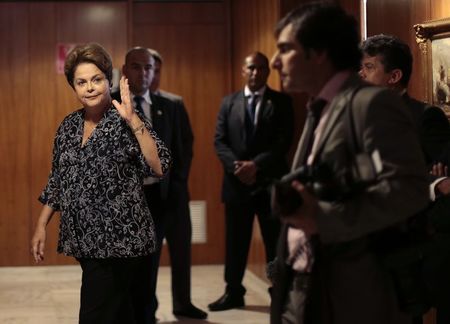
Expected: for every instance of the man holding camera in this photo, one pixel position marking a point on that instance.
(327, 271)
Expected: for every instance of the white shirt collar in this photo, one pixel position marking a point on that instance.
(146, 97)
(402, 91)
(248, 93)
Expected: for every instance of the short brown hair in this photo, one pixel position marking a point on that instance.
(88, 53)
(156, 55)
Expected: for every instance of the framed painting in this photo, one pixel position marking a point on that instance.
(433, 38)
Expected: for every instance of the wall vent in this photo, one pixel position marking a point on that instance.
(198, 219)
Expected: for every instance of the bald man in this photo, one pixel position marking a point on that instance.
(253, 135)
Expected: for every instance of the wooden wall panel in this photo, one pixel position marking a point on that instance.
(14, 134)
(419, 12)
(439, 9)
(36, 99)
(192, 38)
(394, 21)
(44, 114)
(252, 29)
(398, 19)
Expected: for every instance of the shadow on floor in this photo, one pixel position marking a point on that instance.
(185, 320)
(257, 308)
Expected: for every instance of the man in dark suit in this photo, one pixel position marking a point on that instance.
(164, 116)
(387, 62)
(253, 134)
(326, 270)
(437, 258)
(177, 218)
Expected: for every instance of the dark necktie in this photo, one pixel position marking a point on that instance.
(250, 117)
(252, 103)
(138, 100)
(315, 109)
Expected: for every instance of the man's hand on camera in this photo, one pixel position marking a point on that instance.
(305, 216)
(245, 171)
(439, 170)
(443, 187)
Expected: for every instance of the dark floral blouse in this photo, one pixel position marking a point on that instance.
(98, 188)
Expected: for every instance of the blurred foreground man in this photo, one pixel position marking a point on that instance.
(327, 270)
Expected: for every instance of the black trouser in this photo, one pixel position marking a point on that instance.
(178, 233)
(172, 220)
(156, 206)
(294, 309)
(112, 292)
(437, 269)
(239, 225)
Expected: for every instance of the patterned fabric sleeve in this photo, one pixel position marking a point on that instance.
(51, 194)
(163, 153)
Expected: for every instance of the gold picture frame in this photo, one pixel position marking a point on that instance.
(433, 38)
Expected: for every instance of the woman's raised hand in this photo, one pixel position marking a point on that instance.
(125, 108)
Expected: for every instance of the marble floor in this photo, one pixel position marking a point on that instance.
(50, 295)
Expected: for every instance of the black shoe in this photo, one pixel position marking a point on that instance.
(225, 302)
(191, 311)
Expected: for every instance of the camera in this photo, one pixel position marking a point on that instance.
(318, 179)
(324, 183)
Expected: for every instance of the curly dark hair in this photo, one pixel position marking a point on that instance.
(394, 54)
(88, 53)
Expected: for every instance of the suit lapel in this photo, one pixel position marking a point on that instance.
(240, 108)
(239, 112)
(157, 115)
(336, 108)
(266, 105)
(299, 155)
(265, 108)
